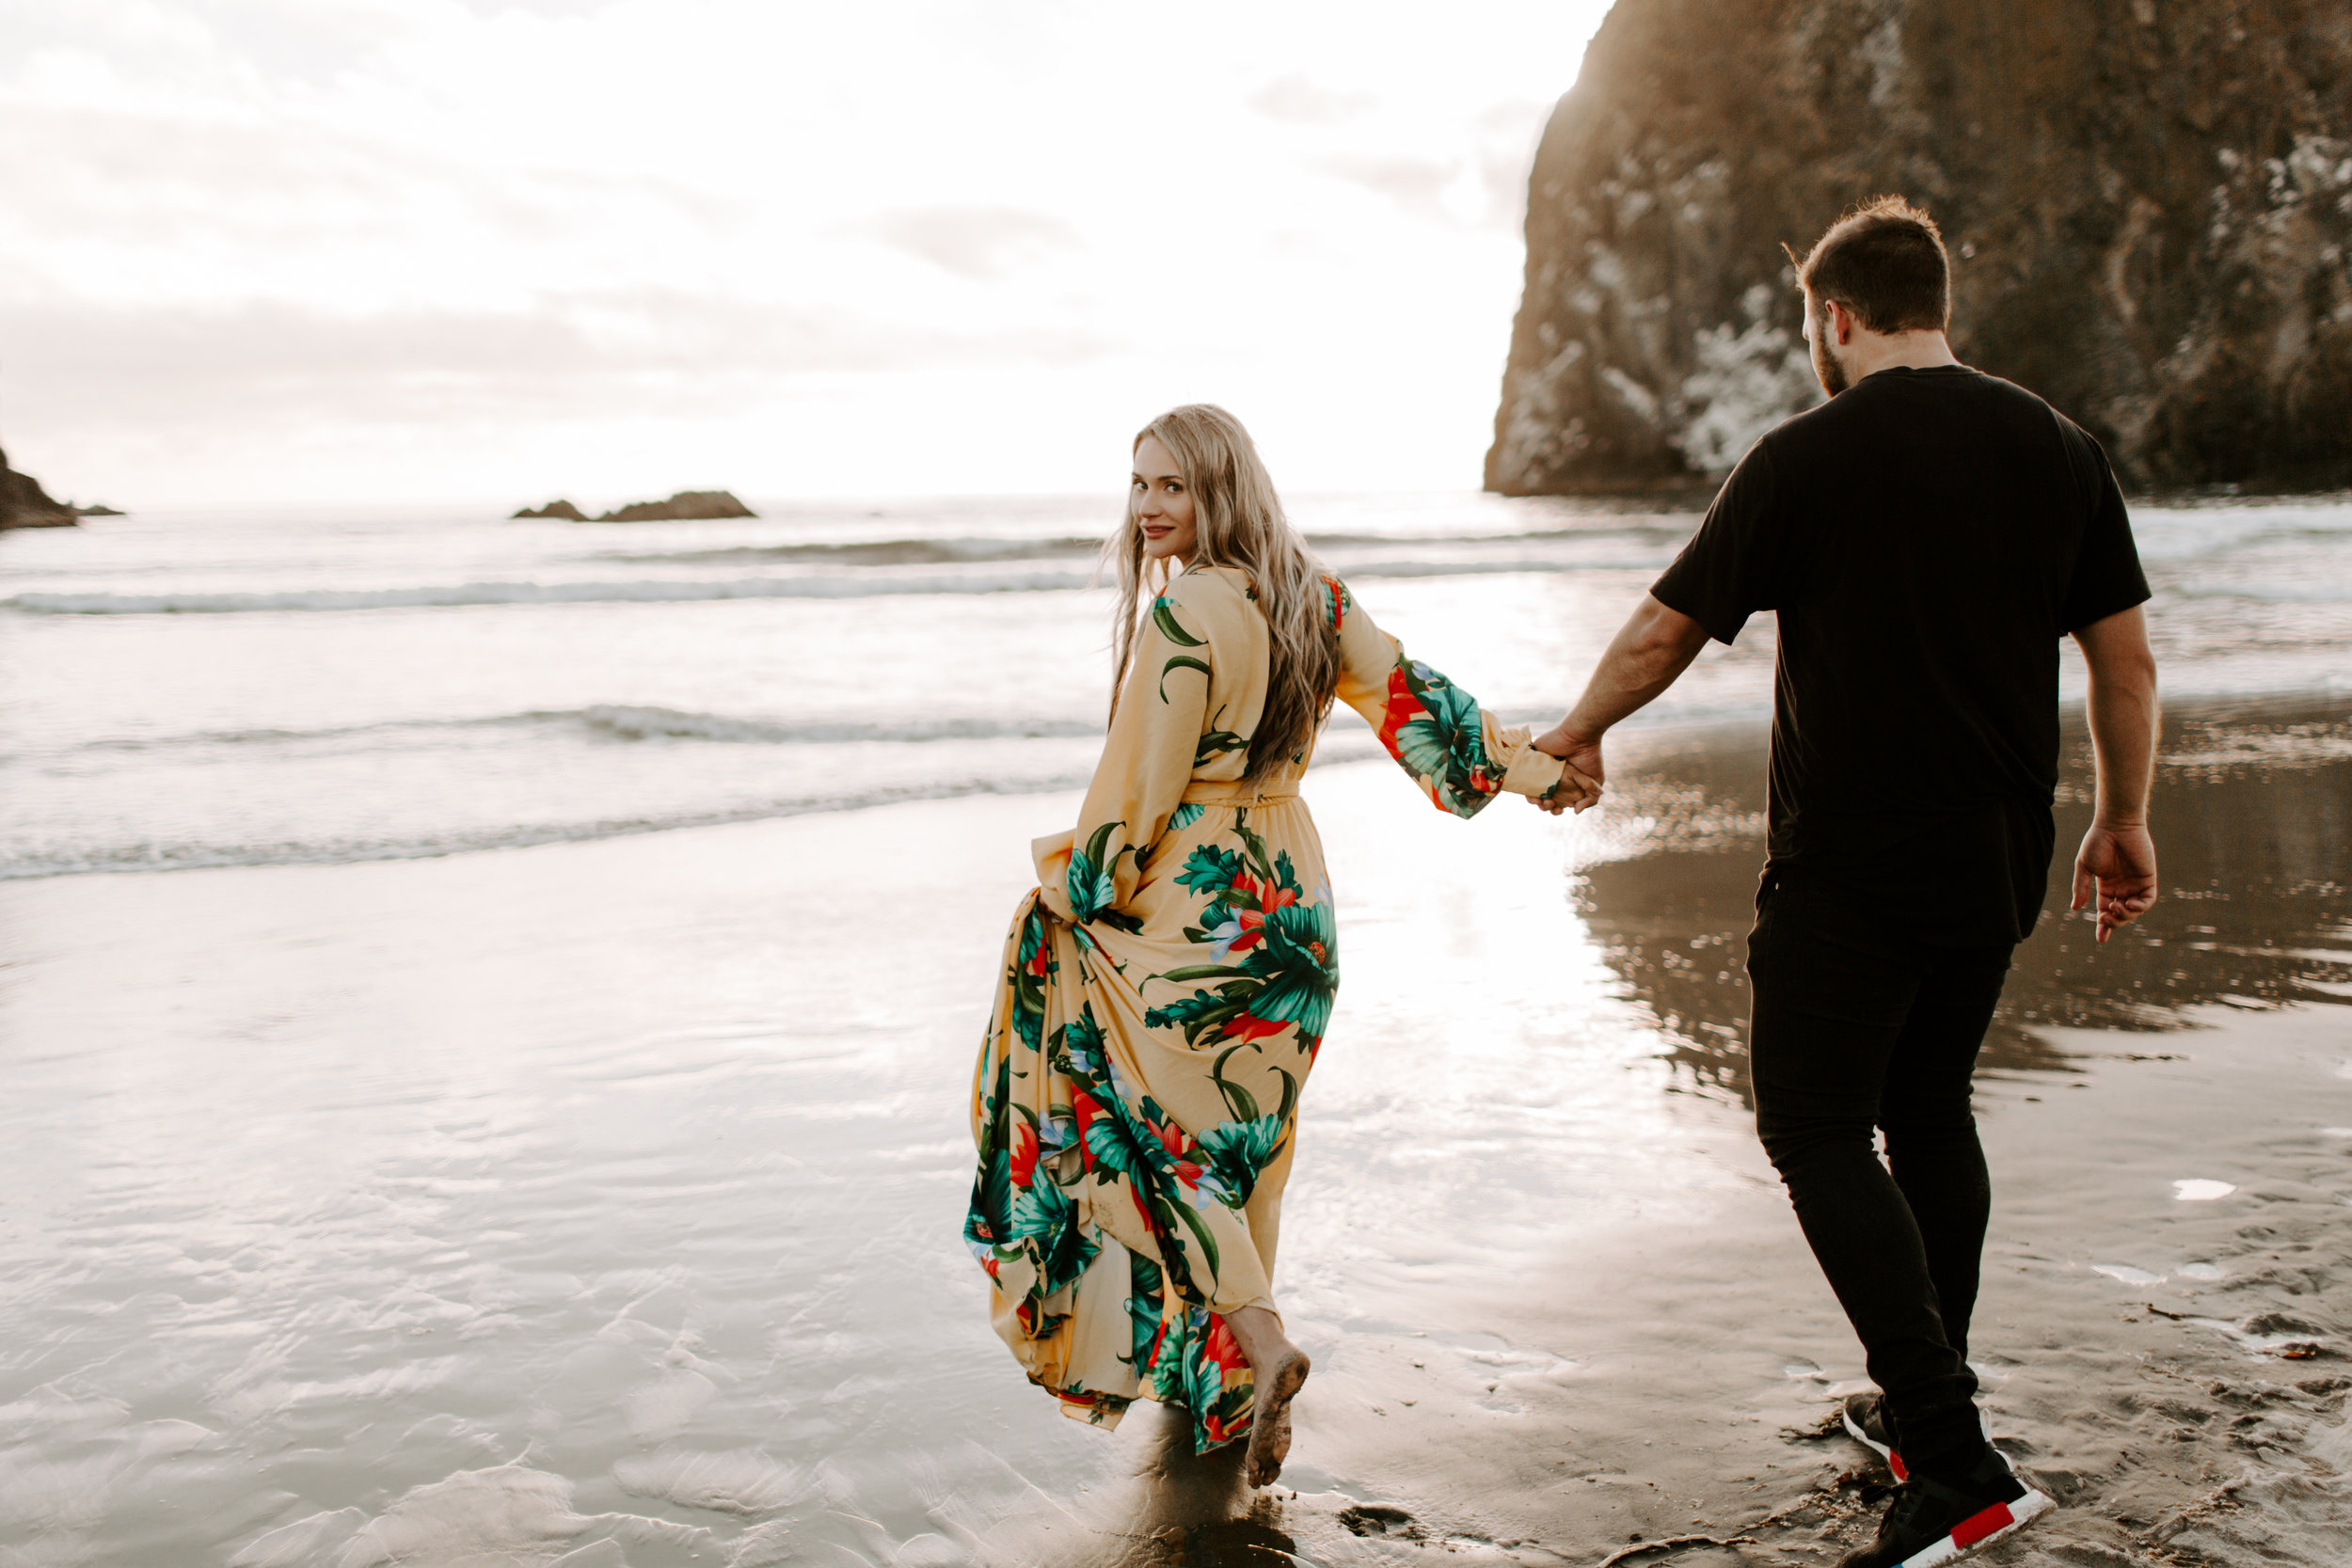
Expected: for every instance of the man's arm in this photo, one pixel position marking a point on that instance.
(1653, 648)
(2118, 859)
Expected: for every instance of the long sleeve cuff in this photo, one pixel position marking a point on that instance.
(1525, 769)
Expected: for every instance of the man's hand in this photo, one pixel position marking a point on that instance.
(1581, 757)
(2117, 865)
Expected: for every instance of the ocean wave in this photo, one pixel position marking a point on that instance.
(876, 552)
(465, 594)
(34, 861)
(981, 550)
(673, 591)
(627, 721)
(2279, 593)
(641, 723)
(198, 856)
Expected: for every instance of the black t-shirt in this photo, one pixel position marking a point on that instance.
(1926, 536)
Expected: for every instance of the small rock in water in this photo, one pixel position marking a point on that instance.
(559, 510)
(686, 506)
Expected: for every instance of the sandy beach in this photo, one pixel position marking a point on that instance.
(597, 1203)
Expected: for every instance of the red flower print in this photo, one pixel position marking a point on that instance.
(1253, 931)
(1248, 1027)
(1220, 1430)
(1172, 1137)
(1218, 1345)
(1024, 1154)
(1402, 709)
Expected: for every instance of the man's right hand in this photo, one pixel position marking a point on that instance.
(1581, 754)
(2118, 866)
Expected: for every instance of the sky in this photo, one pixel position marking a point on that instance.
(494, 251)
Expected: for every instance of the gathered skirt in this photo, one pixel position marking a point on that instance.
(1134, 1108)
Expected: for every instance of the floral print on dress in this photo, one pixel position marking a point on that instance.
(1162, 998)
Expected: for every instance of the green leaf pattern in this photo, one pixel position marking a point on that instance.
(1218, 970)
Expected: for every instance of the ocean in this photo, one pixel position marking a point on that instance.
(488, 1010)
(230, 688)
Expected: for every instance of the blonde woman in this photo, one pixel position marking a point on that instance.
(1165, 987)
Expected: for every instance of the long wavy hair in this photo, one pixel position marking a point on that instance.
(1240, 524)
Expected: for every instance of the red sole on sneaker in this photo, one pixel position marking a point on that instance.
(1893, 1460)
(1981, 1529)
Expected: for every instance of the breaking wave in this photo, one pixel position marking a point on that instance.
(627, 721)
(675, 592)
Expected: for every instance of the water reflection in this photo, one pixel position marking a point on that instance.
(2252, 815)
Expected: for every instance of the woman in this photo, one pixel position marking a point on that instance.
(1166, 987)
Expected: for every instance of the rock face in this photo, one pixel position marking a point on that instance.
(25, 504)
(2148, 204)
(686, 506)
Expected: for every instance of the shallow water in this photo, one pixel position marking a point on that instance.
(597, 1202)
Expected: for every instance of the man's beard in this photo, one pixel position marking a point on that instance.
(1832, 374)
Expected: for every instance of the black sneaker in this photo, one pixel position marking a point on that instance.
(1931, 1521)
(1865, 1423)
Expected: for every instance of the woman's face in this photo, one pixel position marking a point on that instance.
(1163, 503)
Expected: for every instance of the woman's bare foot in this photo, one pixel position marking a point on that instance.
(1277, 1370)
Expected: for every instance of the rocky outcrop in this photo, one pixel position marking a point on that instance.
(686, 506)
(25, 504)
(2148, 204)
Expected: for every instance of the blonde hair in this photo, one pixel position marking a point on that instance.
(1240, 524)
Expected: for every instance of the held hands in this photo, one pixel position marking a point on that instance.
(1582, 774)
(2119, 866)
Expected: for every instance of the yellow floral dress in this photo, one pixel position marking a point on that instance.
(1164, 992)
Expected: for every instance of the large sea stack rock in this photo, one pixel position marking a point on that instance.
(2148, 204)
(25, 504)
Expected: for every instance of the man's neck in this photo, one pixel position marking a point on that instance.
(1914, 351)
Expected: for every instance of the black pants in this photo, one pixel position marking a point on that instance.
(1855, 1028)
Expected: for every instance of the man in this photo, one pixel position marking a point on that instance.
(1926, 536)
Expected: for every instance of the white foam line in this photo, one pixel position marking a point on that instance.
(439, 596)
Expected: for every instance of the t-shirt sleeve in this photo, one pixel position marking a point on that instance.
(2108, 577)
(1738, 561)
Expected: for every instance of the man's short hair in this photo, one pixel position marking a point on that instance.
(1885, 260)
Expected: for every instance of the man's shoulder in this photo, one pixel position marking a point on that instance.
(1885, 405)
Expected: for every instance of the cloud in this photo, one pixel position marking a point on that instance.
(643, 349)
(1417, 184)
(981, 243)
(1296, 101)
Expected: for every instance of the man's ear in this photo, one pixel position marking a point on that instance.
(1841, 322)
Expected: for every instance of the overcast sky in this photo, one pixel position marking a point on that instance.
(496, 250)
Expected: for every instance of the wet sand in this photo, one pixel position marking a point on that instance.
(596, 1204)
